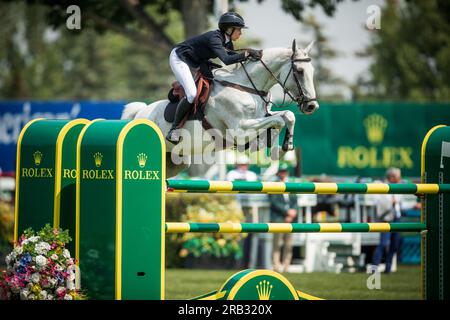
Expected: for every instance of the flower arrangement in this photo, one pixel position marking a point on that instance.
(40, 268)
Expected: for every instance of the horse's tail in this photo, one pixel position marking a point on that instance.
(131, 109)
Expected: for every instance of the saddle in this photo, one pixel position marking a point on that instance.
(176, 93)
(204, 88)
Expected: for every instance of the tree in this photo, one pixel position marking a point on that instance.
(146, 21)
(112, 56)
(40, 63)
(410, 53)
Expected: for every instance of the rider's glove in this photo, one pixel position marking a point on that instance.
(255, 54)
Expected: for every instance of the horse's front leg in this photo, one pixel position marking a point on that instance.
(289, 120)
(252, 129)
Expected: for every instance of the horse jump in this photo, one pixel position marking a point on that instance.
(120, 207)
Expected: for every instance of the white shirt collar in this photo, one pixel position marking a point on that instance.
(227, 38)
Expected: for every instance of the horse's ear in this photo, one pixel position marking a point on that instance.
(294, 47)
(309, 47)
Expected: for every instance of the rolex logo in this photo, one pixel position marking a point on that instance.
(264, 289)
(37, 157)
(98, 159)
(375, 127)
(142, 159)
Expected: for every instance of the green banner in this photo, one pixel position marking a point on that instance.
(364, 139)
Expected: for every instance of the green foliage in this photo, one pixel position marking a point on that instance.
(6, 227)
(47, 234)
(410, 53)
(202, 208)
(74, 65)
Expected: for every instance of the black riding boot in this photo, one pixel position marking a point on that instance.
(184, 106)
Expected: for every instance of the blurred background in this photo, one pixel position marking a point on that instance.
(382, 76)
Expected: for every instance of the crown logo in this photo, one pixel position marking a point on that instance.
(375, 127)
(37, 157)
(98, 159)
(142, 159)
(264, 289)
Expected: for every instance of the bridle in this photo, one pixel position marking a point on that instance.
(301, 98)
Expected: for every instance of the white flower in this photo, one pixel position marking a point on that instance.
(71, 276)
(31, 297)
(13, 255)
(70, 285)
(35, 277)
(34, 238)
(49, 297)
(42, 247)
(41, 261)
(66, 254)
(8, 259)
(24, 294)
(52, 281)
(68, 297)
(44, 294)
(54, 256)
(58, 267)
(18, 250)
(30, 239)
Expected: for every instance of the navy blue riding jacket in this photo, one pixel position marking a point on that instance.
(209, 45)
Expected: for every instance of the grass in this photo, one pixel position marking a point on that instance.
(401, 285)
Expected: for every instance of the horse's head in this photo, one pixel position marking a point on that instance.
(299, 79)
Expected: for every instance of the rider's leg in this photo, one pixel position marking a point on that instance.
(183, 108)
(183, 74)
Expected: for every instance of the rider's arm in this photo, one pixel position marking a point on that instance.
(226, 57)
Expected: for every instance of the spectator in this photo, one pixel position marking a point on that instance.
(389, 209)
(241, 173)
(282, 209)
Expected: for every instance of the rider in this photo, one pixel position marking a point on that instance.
(196, 52)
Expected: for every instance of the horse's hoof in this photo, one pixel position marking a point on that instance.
(287, 147)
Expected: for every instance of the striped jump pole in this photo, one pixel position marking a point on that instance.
(201, 186)
(184, 227)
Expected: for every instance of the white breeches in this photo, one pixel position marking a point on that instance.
(183, 74)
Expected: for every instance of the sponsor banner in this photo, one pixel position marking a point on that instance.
(340, 139)
(15, 114)
(364, 139)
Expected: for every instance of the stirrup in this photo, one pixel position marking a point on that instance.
(170, 135)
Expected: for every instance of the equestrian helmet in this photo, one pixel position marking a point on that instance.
(231, 19)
